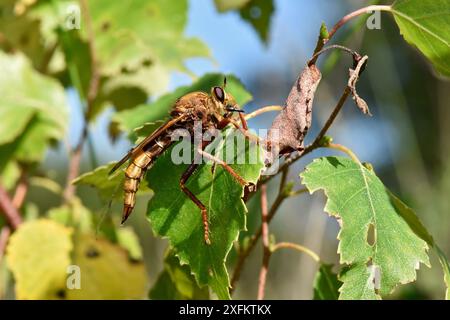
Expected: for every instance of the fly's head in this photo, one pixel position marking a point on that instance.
(224, 104)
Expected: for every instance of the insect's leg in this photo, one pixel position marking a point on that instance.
(227, 167)
(243, 121)
(246, 133)
(186, 175)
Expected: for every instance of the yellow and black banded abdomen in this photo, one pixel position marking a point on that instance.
(135, 171)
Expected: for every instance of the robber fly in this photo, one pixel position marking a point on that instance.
(215, 111)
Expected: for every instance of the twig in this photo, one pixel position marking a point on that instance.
(9, 210)
(344, 149)
(265, 240)
(281, 195)
(75, 154)
(4, 236)
(262, 110)
(254, 239)
(74, 165)
(21, 191)
(322, 41)
(289, 245)
(297, 192)
(354, 14)
(332, 117)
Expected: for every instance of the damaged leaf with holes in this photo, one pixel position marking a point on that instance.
(382, 242)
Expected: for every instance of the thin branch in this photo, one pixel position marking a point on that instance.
(344, 149)
(354, 14)
(281, 195)
(266, 244)
(298, 192)
(243, 255)
(332, 117)
(4, 237)
(289, 245)
(9, 210)
(21, 191)
(322, 41)
(74, 165)
(262, 110)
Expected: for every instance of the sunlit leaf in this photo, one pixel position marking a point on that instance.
(379, 243)
(128, 240)
(426, 25)
(106, 271)
(123, 38)
(38, 256)
(107, 186)
(44, 108)
(173, 215)
(73, 214)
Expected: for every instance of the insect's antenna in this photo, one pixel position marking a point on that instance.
(224, 82)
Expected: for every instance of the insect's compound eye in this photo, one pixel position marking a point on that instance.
(220, 94)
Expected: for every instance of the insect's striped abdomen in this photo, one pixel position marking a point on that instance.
(135, 171)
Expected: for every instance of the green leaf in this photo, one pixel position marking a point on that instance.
(378, 240)
(227, 5)
(22, 32)
(173, 215)
(10, 130)
(106, 271)
(122, 37)
(426, 25)
(107, 186)
(73, 214)
(256, 12)
(446, 268)
(38, 256)
(176, 282)
(44, 112)
(129, 119)
(326, 284)
(128, 240)
(259, 14)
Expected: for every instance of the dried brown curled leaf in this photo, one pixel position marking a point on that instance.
(289, 128)
(353, 78)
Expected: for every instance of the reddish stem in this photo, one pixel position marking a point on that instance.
(265, 240)
(9, 210)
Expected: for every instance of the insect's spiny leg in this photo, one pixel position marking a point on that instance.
(186, 175)
(225, 166)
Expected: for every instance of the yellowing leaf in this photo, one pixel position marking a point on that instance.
(38, 256)
(106, 271)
